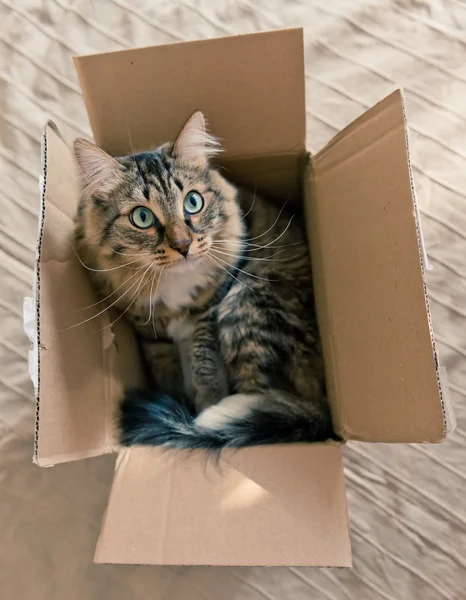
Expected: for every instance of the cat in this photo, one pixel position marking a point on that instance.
(218, 285)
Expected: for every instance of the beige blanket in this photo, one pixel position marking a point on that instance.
(407, 503)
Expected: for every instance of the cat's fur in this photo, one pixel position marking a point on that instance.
(229, 331)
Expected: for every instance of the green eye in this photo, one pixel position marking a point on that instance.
(193, 203)
(142, 218)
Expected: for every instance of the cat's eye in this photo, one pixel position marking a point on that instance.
(142, 217)
(193, 203)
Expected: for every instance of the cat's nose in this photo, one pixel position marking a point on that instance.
(181, 246)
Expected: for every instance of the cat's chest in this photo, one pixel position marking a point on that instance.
(179, 287)
(174, 302)
(158, 323)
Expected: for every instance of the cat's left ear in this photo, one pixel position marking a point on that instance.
(99, 169)
(194, 144)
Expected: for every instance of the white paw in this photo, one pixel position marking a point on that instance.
(230, 409)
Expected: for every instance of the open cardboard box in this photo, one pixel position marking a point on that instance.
(276, 505)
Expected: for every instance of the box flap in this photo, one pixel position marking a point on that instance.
(371, 296)
(281, 505)
(250, 87)
(79, 369)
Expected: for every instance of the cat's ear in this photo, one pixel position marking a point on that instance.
(195, 144)
(100, 171)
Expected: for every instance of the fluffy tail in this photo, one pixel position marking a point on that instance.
(237, 421)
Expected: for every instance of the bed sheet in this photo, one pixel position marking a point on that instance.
(407, 503)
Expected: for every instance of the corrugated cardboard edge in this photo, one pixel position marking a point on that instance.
(449, 419)
(34, 303)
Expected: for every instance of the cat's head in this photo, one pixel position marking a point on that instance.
(166, 207)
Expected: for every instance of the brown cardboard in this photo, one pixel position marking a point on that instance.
(81, 371)
(261, 506)
(267, 506)
(383, 371)
(251, 87)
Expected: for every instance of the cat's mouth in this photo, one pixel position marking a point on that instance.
(185, 260)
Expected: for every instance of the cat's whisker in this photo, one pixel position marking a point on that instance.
(266, 259)
(252, 204)
(152, 315)
(127, 254)
(225, 245)
(134, 298)
(242, 249)
(150, 299)
(243, 216)
(105, 270)
(213, 261)
(155, 297)
(257, 247)
(236, 241)
(270, 228)
(282, 233)
(245, 272)
(138, 270)
(110, 306)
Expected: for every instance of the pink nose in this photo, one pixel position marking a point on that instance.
(181, 245)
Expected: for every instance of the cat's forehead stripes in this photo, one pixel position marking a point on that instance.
(157, 170)
(164, 182)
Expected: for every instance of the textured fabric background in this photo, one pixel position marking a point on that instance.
(407, 503)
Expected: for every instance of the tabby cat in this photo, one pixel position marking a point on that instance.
(218, 285)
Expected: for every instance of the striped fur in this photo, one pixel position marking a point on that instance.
(228, 329)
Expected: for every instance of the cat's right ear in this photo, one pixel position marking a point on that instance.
(100, 171)
(194, 143)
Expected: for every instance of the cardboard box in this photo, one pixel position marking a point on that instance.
(276, 505)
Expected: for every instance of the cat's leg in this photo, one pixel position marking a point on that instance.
(209, 375)
(261, 414)
(165, 366)
(277, 398)
(251, 382)
(253, 393)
